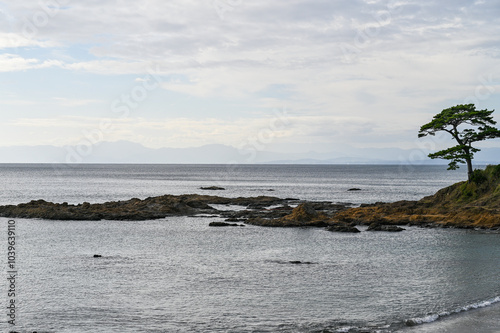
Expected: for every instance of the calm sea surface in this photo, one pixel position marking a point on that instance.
(179, 275)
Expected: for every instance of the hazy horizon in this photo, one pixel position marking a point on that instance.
(135, 153)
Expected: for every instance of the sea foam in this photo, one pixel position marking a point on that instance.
(433, 317)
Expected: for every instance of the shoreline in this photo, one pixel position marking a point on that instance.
(482, 319)
(265, 211)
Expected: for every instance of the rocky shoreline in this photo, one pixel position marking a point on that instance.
(262, 211)
(463, 205)
(248, 208)
(471, 204)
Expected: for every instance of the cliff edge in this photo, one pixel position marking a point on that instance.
(474, 204)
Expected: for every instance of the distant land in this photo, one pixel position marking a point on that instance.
(130, 152)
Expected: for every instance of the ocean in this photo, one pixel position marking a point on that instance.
(179, 275)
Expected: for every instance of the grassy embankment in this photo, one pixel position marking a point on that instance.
(474, 204)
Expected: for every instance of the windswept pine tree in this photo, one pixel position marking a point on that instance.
(466, 125)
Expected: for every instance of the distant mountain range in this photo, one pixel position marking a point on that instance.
(129, 152)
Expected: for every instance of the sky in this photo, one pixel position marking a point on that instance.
(295, 75)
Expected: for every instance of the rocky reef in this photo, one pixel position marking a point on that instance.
(133, 209)
(304, 215)
(261, 207)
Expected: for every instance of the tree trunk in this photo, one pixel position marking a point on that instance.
(469, 169)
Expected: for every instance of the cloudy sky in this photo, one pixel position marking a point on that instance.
(280, 75)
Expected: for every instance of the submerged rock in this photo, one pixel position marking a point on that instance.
(298, 262)
(384, 227)
(224, 224)
(213, 188)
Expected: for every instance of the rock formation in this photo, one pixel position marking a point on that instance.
(474, 204)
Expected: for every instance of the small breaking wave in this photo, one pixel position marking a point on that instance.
(433, 317)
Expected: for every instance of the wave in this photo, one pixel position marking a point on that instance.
(433, 317)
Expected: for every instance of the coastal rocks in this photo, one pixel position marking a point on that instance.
(474, 204)
(304, 215)
(384, 227)
(232, 219)
(224, 224)
(261, 201)
(343, 227)
(291, 262)
(212, 188)
(147, 209)
(298, 262)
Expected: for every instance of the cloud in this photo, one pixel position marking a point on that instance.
(9, 40)
(352, 69)
(14, 63)
(107, 67)
(185, 132)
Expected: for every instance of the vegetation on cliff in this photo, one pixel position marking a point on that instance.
(468, 204)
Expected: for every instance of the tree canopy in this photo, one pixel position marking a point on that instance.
(466, 125)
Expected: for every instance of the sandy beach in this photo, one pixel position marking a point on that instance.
(483, 320)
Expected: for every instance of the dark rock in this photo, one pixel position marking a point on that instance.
(232, 219)
(384, 227)
(343, 227)
(307, 214)
(319, 224)
(198, 204)
(257, 205)
(224, 224)
(298, 262)
(213, 188)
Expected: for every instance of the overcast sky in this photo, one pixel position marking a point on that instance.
(280, 75)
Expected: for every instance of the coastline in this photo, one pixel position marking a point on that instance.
(484, 320)
(111, 236)
(269, 211)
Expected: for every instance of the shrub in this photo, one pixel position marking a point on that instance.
(495, 170)
(478, 176)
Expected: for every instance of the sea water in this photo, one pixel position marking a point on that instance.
(99, 183)
(179, 275)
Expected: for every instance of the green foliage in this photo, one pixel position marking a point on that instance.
(479, 176)
(468, 191)
(482, 191)
(481, 182)
(451, 120)
(494, 170)
(497, 191)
